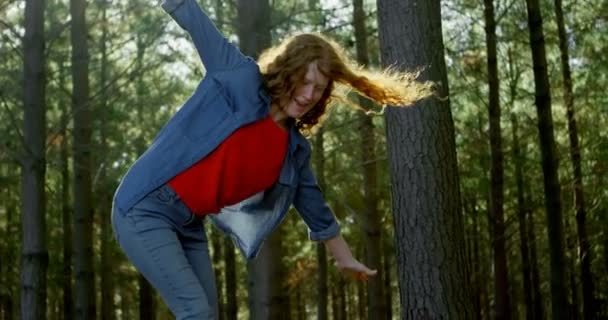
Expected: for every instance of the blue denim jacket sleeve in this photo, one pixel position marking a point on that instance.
(312, 207)
(216, 52)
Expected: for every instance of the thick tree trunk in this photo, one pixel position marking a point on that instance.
(553, 204)
(501, 272)
(34, 252)
(83, 210)
(431, 253)
(322, 295)
(584, 252)
(376, 308)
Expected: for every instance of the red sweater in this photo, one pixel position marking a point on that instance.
(247, 162)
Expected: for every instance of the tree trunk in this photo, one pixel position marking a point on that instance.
(522, 221)
(230, 280)
(83, 210)
(537, 297)
(372, 230)
(477, 274)
(216, 240)
(553, 205)
(388, 297)
(105, 197)
(66, 210)
(266, 294)
(319, 158)
(34, 252)
(501, 272)
(486, 269)
(584, 252)
(422, 158)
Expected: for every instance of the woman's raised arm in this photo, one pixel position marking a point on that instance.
(216, 52)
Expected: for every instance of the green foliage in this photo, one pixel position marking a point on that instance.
(152, 68)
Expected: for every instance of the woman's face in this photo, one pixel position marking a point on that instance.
(307, 93)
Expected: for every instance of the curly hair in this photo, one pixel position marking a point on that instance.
(284, 66)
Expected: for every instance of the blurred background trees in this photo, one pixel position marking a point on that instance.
(85, 87)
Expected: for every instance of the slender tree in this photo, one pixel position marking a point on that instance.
(431, 259)
(372, 230)
(34, 252)
(522, 210)
(83, 209)
(322, 293)
(501, 271)
(104, 187)
(553, 204)
(267, 297)
(585, 254)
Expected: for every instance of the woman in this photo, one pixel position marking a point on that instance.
(235, 153)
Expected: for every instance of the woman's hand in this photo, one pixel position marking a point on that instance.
(345, 262)
(356, 269)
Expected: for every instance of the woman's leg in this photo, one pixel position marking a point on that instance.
(150, 235)
(197, 253)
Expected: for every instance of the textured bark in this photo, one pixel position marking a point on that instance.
(34, 252)
(584, 252)
(83, 210)
(431, 258)
(319, 159)
(553, 204)
(376, 308)
(501, 272)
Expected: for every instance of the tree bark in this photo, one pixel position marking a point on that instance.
(34, 252)
(553, 205)
(502, 304)
(584, 252)
(431, 253)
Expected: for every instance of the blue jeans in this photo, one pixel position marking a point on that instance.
(167, 243)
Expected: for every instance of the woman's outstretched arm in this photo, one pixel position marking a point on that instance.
(345, 261)
(216, 52)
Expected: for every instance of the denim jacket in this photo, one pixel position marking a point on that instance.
(230, 96)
